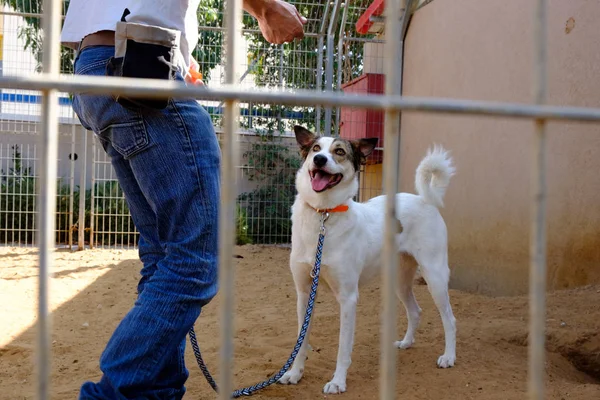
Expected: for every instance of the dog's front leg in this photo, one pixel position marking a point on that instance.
(302, 281)
(348, 301)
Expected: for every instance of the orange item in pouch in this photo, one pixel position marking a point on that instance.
(196, 76)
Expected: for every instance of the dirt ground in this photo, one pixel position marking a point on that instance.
(92, 290)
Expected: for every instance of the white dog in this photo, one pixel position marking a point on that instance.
(352, 251)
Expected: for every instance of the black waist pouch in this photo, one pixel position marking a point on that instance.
(144, 51)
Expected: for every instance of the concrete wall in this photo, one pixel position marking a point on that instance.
(25, 135)
(482, 50)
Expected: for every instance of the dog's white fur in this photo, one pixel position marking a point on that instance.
(353, 249)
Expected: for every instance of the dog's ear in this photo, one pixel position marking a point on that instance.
(304, 137)
(364, 147)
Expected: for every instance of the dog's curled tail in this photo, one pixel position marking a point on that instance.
(433, 176)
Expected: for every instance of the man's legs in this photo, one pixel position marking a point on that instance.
(168, 165)
(174, 373)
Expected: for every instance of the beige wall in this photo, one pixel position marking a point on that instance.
(482, 50)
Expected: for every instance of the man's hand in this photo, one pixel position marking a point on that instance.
(279, 21)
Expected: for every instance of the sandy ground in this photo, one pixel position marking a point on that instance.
(92, 290)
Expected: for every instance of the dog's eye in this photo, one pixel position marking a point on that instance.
(316, 147)
(340, 152)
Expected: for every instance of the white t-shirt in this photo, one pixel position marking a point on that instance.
(85, 17)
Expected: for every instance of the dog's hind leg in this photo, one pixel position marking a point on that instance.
(436, 274)
(406, 274)
(302, 281)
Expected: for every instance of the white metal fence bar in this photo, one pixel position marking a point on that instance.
(92, 192)
(82, 184)
(47, 203)
(233, 10)
(72, 186)
(537, 251)
(387, 383)
(333, 22)
(320, 44)
(340, 60)
(157, 89)
(222, 28)
(24, 14)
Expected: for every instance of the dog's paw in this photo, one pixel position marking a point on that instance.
(404, 344)
(334, 387)
(446, 361)
(291, 377)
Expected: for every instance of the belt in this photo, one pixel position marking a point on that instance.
(101, 38)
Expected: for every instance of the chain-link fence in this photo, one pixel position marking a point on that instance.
(330, 57)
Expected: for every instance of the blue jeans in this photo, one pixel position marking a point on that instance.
(167, 163)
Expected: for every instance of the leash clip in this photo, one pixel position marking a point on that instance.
(324, 217)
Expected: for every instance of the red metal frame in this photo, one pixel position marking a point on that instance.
(364, 23)
(357, 123)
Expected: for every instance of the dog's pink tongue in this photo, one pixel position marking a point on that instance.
(320, 181)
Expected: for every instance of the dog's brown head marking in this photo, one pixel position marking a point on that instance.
(355, 151)
(306, 140)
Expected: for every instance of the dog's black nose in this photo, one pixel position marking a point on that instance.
(320, 160)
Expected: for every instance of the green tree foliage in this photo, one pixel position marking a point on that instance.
(32, 35)
(209, 49)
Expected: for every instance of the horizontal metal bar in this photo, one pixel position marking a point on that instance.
(156, 88)
(363, 40)
(200, 28)
(223, 29)
(24, 14)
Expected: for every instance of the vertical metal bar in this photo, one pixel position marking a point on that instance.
(13, 193)
(72, 188)
(335, 13)
(409, 7)
(6, 193)
(537, 284)
(390, 174)
(82, 176)
(250, 118)
(319, 81)
(92, 193)
(279, 114)
(320, 45)
(47, 203)
(339, 64)
(233, 14)
(35, 200)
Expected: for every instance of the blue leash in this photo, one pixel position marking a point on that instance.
(248, 391)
